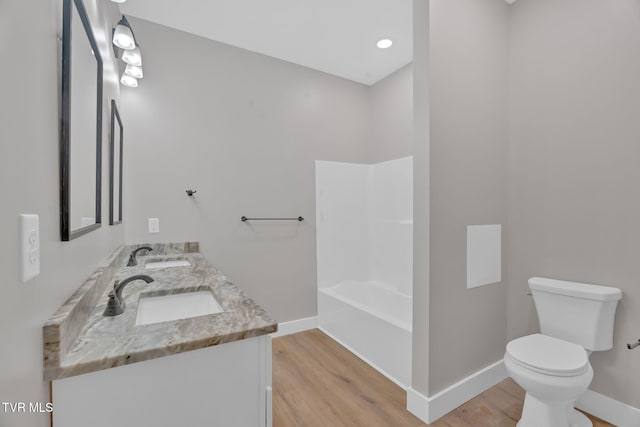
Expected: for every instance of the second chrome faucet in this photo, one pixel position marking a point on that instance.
(115, 305)
(132, 258)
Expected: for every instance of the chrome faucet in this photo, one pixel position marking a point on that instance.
(115, 305)
(132, 258)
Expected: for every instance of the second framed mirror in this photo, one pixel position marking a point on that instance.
(115, 166)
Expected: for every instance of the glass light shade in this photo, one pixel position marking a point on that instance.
(123, 37)
(134, 71)
(128, 81)
(132, 57)
(118, 1)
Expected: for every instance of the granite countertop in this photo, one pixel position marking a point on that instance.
(107, 342)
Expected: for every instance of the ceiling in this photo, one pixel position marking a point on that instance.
(334, 36)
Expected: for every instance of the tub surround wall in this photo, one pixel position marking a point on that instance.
(391, 223)
(364, 223)
(574, 98)
(342, 222)
(104, 343)
(29, 170)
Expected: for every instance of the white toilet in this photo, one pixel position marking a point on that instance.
(553, 366)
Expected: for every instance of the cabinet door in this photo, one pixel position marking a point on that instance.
(224, 385)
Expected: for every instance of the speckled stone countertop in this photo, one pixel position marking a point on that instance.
(106, 342)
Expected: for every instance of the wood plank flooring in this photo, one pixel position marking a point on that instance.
(319, 383)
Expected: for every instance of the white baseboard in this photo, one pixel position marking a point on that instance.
(295, 326)
(608, 409)
(429, 409)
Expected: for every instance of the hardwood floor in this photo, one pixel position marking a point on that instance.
(319, 383)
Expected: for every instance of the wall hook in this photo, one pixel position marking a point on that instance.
(190, 192)
(633, 345)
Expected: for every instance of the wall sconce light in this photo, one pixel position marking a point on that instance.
(123, 36)
(134, 71)
(124, 39)
(128, 81)
(132, 57)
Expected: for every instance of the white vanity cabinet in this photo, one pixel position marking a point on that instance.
(227, 385)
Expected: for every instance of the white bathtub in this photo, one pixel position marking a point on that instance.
(373, 321)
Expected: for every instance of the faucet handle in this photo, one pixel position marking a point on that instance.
(116, 302)
(114, 305)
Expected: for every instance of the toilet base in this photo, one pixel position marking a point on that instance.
(537, 413)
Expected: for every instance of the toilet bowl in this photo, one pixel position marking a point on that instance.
(553, 367)
(554, 374)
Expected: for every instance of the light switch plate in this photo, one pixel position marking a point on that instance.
(153, 225)
(30, 246)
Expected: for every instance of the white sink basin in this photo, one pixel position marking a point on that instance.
(166, 264)
(177, 306)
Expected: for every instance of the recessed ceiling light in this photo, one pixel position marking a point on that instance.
(384, 43)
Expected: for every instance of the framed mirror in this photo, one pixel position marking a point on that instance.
(81, 124)
(115, 166)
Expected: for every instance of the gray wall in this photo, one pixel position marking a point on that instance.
(243, 130)
(391, 109)
(468, 175)
(29, 184)
(421, 326)
(574, 103)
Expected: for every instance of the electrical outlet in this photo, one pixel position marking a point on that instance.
(30, 246)
(153, 225)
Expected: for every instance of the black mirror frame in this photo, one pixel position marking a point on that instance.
(115, 115)
(65, 122)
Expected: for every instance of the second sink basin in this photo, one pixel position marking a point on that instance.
(152, 264)
(165, 308)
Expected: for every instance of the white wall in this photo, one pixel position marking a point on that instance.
(365, 223)
(244, 131)
(29, 141)
(574, 156)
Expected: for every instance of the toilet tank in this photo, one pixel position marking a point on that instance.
(576, 312)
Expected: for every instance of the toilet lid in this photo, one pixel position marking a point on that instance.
(548, 355)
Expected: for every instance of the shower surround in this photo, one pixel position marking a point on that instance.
(364, 216)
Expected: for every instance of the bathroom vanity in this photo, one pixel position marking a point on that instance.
(190, 348)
